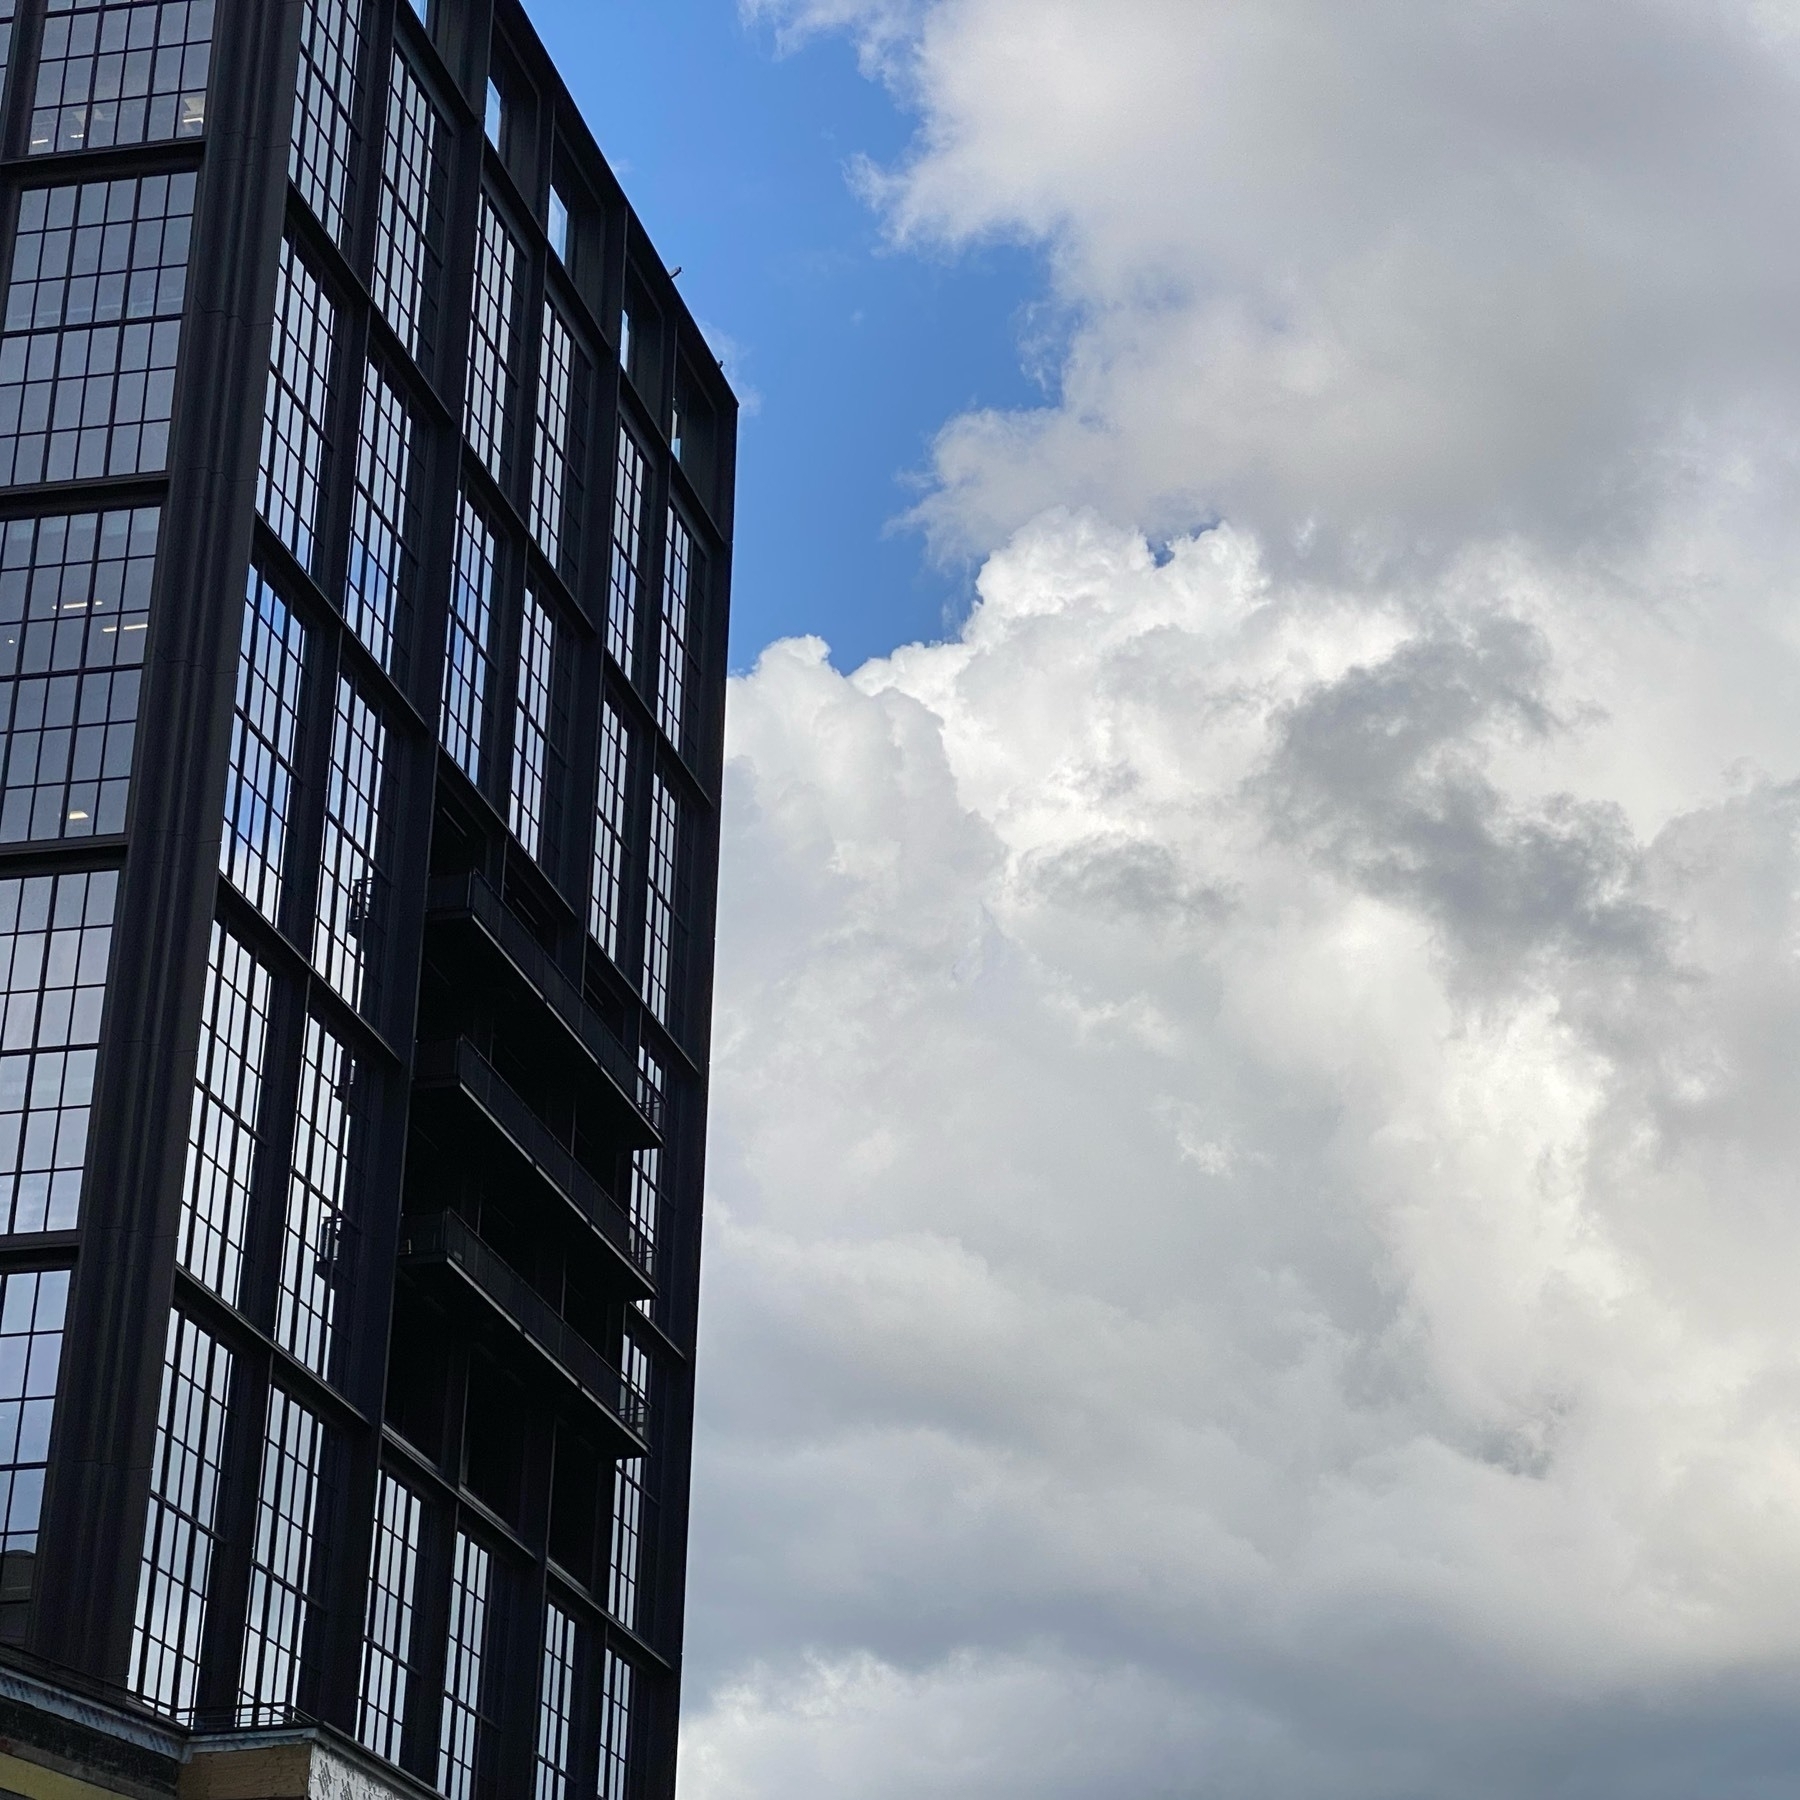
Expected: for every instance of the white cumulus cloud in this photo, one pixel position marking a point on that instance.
(1253, 1182)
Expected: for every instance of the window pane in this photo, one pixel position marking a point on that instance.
(661, 905)
(325, 109)
(295, 413)
(606, 901)
(315, 1257)
(375, 581)
(559, 226)
(628, 547)
(646, 1163)
(32, 1306)
(346, 937)
(281, 1574)
(460, 1724)
(259, 789)
(74, 615)
(185, 1473)
(405, 237)
(556, 1699)
(7, 11)
(550, 467)
(531, 733)
(388, 1635)
(222, 1140)
(627, 1541)
(491, 340)
(121, 72)
(55, 946)
(672, 678)
(93, 328)
(463, 728)
(615, 1728)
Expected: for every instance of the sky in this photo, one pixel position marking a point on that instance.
(1252, 1218)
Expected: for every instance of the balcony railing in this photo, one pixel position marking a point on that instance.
(471, 896)
(445, 1238)
(461, 1065)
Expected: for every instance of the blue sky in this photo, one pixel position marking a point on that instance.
(850, 355)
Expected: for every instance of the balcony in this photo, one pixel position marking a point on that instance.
(468, 903)
(510, 1125)
(443, 1242)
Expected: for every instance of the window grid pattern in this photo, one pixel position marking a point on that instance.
(672, 674)
(459, 1725)
(606, 898)
(627, 552)
(660, 900)
(346, 936)
(179, 1539)
(325, 109)
(556, 1705)
(531, 732)
(259, 789)
(388, 1635)
(294, 443)
(491, 339)
(467, 669)
(281, 1572)
(550, 461)
(314, 1254)
(615, 1727)
(627, 1542)
(121, 72)
(6, 30)
(376, 580)
(74, 615)
(222, 1140)
(406, 266)
(93, 328)
(32, 1306)
(55, 945)
(646, 1163)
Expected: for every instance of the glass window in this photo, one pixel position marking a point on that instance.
(661, 902)
(678, 583)
(314, 1255)
(281, 1572)
(559, 226)
(346, 937)
(531, 731)
(460, 1724)
(325, 109)
(388, 1636)
(7, 11)
(121, 72)
(550, 465)
(259, 789)
(491, 340)
(405, 277)
(606, 899)
(376, 579)
(627, 1541)
(74, 614)
(93, 328)
(222, 1140)
(32, 1305)
(646, 1163)
(615, 1727)
(55, 946)
(467, 669)
(495, 115)
(556, 1701)
(628, 549)
(185, 1474)
(295, 413)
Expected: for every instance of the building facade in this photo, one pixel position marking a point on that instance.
(365, 514)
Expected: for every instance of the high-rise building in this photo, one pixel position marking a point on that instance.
(365, 515)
